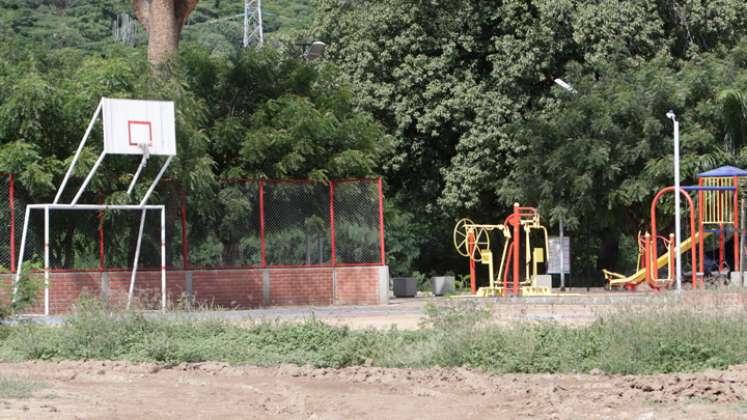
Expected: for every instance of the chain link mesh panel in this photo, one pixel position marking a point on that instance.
(229, 235)
(75, 239)
(120, 231)
(357, 222)
(297, 227)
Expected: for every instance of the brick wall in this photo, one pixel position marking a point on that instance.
(147, 290)
(240, 288)
(228, 288)
(300, 286)
(356, 286)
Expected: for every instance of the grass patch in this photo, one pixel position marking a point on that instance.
(453, 335)
(17, 389)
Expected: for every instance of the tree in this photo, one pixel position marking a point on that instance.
(596, 158)
(450, 79)
(164, 20)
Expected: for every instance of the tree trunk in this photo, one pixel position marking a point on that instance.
(163, 20)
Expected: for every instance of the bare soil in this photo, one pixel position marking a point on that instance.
(119, 390)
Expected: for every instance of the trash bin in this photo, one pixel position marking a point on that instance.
(442, 285)
(405, 286)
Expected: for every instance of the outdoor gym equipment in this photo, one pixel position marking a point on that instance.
(472, 240)
(717, 207)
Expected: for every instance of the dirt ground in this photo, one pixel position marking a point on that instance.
(117, 390)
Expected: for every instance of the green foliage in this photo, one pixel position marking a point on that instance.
(596, 158)
(27, 292)
(459, 85)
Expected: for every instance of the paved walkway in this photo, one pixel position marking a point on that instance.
(572, 307)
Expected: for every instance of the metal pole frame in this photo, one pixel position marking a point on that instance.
(382, 249)
(46, 261)
(741, 245)
(333, 255)
(677, 222)
(185, 240)
(262, 223)
(88, 178)
(155, 181)
(131, 291)
(163, 259)
(98, 207)
(140, 167)
(562, 256)
(77, 152)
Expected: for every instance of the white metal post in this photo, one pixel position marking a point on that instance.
(562, 257)
(19, 267)
(155, 181)
(143, 161)
(46, 260)
(77, 152)
(163, 259)
(677, 235)
(137, 257)
(88, 177)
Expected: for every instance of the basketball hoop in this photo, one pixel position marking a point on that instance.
(130, 127)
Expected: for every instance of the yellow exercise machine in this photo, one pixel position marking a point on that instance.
(473, 240)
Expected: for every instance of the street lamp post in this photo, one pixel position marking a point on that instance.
(677, 237)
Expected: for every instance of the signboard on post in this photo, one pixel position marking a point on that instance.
(553, 266)
(131, 125)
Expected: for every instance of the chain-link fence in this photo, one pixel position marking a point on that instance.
(247, 224)
(278, 223)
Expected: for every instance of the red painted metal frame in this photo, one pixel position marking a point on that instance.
(12, 203)
(472, 269)
(653, 233)
(185, 240)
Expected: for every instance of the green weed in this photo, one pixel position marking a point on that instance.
(14, 388)
(454, 334)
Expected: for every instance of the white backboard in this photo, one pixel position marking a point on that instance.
(128, 123)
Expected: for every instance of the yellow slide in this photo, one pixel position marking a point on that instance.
(616, 279)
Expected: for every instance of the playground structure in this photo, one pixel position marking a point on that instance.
(717, 195)
(472, 240)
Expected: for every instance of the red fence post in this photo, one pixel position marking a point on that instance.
(11, 192)
(185, 241)
(262, 223)
(332, 219)
(381, 222)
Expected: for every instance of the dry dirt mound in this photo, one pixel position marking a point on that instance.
(216, 390)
